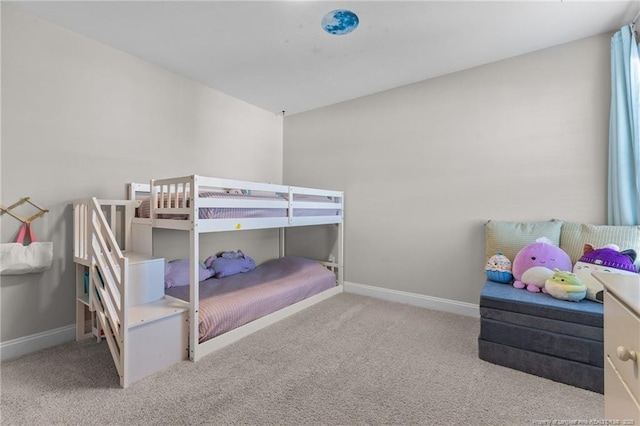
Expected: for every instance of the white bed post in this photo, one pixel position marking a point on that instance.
(341, 253)
(194, 274)
(125, 378)
(281, 251)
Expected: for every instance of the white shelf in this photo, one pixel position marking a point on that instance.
(84, 299)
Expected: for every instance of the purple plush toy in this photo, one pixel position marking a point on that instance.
(605, 259)
(229, 263)
(535, 263)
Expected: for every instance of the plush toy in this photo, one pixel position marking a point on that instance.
(498, 268)
(605, 259)
(176, 273)
(234, 191)
(534, 264)
(565, 285)
(229, 263)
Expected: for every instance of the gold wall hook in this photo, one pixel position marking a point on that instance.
(21, 201)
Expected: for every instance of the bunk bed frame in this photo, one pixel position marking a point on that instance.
(98, 242)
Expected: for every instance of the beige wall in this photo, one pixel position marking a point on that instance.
(425, 165)
(81, 119)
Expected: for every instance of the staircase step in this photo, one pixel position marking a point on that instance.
(154, 311)
(146, 278)
(137, 258)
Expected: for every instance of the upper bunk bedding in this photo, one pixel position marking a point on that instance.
(230, 302)
(278, 201)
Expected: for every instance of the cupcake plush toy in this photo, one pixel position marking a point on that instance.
(498, 268)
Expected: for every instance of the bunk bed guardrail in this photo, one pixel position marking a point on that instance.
(174, 196)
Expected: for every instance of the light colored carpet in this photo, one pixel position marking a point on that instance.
(350, 360)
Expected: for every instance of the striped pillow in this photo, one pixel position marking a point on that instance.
(575, 235)
(509, 237)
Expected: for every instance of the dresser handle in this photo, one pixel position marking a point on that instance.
(625, 354)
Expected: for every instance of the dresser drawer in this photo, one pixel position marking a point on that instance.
(618, 402)
(622, 329)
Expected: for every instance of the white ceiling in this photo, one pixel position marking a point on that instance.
(276, 56)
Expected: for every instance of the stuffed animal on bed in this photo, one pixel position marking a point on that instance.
(565, 285)
(234, 191)
(176, 273)
(605, 259)
(498, 268)
(534, 264)
(229, 263)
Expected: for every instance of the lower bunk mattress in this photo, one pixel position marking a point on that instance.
(537, 334)
(230, 302)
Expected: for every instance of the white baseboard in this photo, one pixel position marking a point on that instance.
(430, 302)
(28, 344)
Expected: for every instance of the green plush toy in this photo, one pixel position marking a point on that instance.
(565, 286)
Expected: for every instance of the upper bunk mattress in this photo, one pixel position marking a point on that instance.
(230, 302)
(144, 211)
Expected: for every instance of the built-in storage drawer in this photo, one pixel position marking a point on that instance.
(622, 342)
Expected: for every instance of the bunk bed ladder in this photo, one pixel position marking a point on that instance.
(108, 269)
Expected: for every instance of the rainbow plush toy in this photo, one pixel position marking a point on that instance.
(534, 264)
(605, 259)
(565, 285)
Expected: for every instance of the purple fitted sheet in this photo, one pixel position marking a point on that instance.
(230, 302)
(144, 210)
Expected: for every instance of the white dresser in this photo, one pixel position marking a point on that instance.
(621, 347)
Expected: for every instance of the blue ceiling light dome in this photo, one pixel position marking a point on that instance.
(340, 22)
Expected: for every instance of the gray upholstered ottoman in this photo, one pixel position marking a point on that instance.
(537, 334)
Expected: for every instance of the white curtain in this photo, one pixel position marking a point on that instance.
(624, 130)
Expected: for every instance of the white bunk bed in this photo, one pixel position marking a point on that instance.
(197, 205)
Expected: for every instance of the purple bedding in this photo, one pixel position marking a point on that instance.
(230, 302)
(236, 213)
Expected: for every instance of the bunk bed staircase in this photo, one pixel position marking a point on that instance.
(120, 293)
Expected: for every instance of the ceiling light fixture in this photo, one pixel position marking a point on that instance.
(340, 22)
